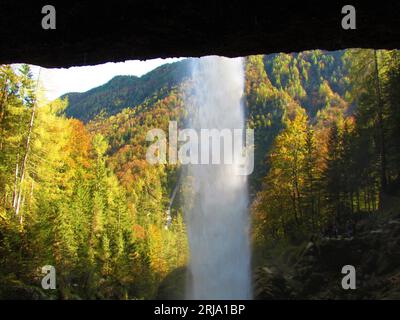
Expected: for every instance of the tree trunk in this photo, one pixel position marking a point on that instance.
(382, 147)
(4, 98)
(14, 199)
(25, 160)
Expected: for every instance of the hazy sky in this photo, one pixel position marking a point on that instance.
(79, 79)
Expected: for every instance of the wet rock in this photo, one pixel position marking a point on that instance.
(316, 271)
(173, 286)
(270, 284)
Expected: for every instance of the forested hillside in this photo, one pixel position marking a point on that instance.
(83, 199)
(125, 91)
(324, 169)
(76, 190)
(278, 85)
(314, 80)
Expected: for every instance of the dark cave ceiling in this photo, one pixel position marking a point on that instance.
(91, 33)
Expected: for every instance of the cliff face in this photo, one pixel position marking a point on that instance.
(313, 270)
(88, 33)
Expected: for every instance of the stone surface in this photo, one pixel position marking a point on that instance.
(173, 286)
(96, 32)
(316, 272)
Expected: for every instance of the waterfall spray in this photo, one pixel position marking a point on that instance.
(217, 204)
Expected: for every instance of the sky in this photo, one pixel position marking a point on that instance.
(56, 82)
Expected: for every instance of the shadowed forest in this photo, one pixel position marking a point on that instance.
(77, 193)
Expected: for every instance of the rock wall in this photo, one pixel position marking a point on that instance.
(96, 32)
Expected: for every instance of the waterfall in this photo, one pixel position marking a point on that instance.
(217, 204)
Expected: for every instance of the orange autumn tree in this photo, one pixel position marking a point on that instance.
(287, 205)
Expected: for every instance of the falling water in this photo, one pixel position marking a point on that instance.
(217, 218)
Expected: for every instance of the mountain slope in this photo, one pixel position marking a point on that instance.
(125, 91)
(276, 85)
(313, 79)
